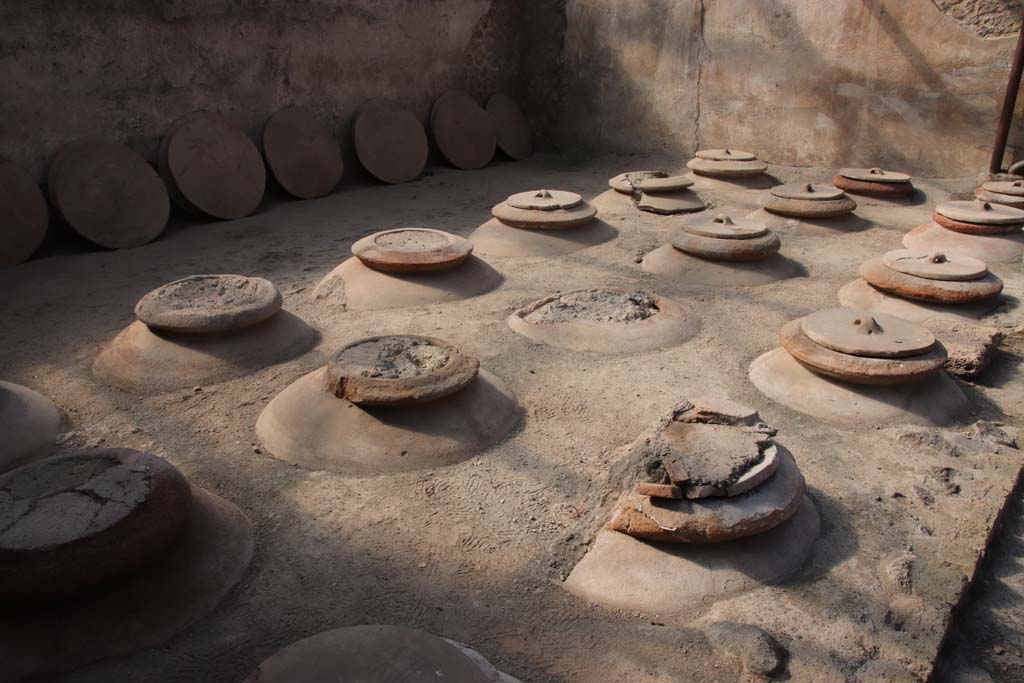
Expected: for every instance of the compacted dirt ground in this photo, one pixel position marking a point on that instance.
(478, 551)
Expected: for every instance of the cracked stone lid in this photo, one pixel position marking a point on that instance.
(936, 265)
(981, 213)
(725, 227)
(411, 250)
(108, 193)
(707, 460)
(628, 182)
(861, 333)
(545, 200)
(725, 155)
(390, 141)
(874, 175)
(209, 304)
(808, 191)
(302, 153)
(23, 214)
(1010, 187)
(398, 370)
(72, 521)
(513, 130)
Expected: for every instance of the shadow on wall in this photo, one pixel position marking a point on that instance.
(848, 81)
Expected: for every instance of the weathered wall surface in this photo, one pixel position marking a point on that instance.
(988, 18)
(819, 82)
(127, 68)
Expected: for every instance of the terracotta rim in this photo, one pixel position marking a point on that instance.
(264, 302)
(975, 228)
(544, 220)
(1015, 201)
(727, 169)
(858, 369)
(980, 213)
(906, 286)
(718, 249)
(455, 375)
(802, 208)
(873, 188)
(453, 252)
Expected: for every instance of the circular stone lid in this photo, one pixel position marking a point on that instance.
(724, 227)
(981, 213)
(390, 141)
(399, 369)
(108, 193)
(936, 265)
(209, 304)
(545, 200)
(808, 191)
(23, 214)
(214, 166)
(412, 250)
(862, 333)
(74, 520)
(512, 128)
(629, 181)
(463, 131)
(302, 153)
(374, 654)
(725, 155)
(874, 175)
(1011, 187)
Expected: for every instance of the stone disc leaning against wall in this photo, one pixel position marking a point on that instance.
(390, 141)
(108, 193)
(214, 167)
(463, 132)
(23, 214)
(512, 129)
(301, 152)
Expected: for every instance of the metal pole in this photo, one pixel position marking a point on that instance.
(1009, 103)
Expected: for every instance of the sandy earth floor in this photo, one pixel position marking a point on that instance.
(477, 552)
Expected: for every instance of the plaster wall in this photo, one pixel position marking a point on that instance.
(898, 83)
(127, 68)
